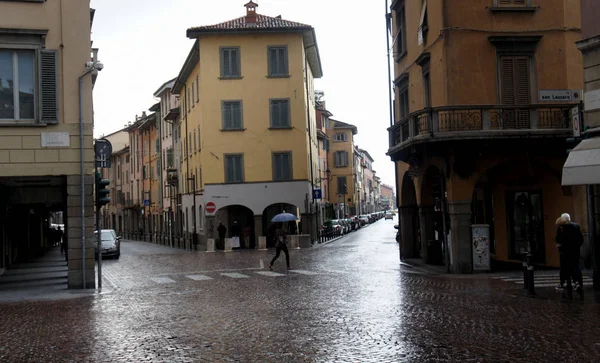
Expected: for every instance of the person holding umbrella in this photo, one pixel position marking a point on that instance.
(280, 245)
(281, 237)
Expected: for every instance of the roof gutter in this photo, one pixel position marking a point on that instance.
(191, 60)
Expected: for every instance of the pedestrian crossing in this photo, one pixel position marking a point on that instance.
(541, 280)
(246, 274)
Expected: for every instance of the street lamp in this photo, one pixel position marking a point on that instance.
(328, 173)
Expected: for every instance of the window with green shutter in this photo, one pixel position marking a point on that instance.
(22, 73)
(230, 62)
(232, 115)
(282, 166)
(340, 159)
(280, 114)
(49, 86)
(234, 168)
(278, 61)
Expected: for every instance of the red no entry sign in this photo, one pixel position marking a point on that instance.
(211, 207)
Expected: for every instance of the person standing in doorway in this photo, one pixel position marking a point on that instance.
(569, 240)
(280, 245)
(59, 237)
(221, 229)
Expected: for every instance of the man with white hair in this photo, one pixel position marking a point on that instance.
(569, 240)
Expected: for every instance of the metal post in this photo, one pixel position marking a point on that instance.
(594, 251)
(525, 274)
(195, 235)
(530, 276)
(99, 241)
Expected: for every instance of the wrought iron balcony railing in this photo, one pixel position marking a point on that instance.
(488, 121)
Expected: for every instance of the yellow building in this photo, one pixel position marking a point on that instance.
(46, 80)
(248, 130)
(341, 162)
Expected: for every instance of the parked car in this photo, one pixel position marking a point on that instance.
(110, 243)
(356, 221)
(364, 219)
(346, 225)
(338, 227)
(389, 215)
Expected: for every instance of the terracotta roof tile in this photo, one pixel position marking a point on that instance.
(262, 22)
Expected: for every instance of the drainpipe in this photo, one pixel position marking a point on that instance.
(387, 37)
(310, 153)
(82, 172)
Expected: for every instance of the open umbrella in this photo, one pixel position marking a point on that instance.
(284, 217)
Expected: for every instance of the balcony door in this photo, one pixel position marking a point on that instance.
(515, 90)
(525, 216)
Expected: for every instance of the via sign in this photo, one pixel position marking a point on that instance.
(563, 95)
(317, 194)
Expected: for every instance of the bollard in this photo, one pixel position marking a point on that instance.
(210, 245)
(294, 241)
(228, 242)
(530, 276)
(525, 273)
(262, 243)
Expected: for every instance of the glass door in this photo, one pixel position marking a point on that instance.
(525, 215)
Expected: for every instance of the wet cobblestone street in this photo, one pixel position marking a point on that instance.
(348, 301)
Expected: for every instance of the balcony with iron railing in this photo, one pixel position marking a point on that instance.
(450, 123)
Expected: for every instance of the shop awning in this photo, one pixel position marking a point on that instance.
(583, 164)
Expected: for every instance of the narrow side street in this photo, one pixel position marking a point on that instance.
(348, 301)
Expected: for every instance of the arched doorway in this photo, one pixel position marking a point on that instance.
(239, 221)
(409, 220)
(270, 212)
(520, 201)
(433, 217)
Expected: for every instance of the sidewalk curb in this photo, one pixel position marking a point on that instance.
(328, 242)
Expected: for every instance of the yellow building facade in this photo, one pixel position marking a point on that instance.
(341, 161)
(248, 130)
(47, 72)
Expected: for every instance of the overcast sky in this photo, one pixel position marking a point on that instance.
(143, 44)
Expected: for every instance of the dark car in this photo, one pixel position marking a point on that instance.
(111, 244)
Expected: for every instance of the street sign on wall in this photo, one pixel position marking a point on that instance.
(556, 95)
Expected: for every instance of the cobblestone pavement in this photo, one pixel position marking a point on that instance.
(349, 301)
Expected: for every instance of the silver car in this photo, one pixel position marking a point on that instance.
(110, 242)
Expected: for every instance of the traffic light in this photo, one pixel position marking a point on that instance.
(102, 191)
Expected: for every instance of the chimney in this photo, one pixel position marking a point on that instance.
(251, 13)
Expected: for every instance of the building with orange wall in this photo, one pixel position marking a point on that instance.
(481, 128)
